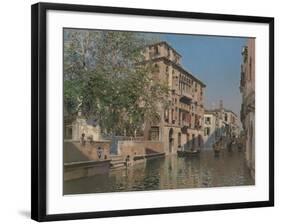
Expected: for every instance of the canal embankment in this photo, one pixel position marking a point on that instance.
(84, 159)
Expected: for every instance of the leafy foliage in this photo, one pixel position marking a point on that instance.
(105, 79)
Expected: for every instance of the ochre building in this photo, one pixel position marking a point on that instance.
(180, 124)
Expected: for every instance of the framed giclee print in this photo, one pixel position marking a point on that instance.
(138, 111)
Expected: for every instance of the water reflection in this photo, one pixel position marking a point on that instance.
(169, 172)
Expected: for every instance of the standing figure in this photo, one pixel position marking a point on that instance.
(83, 141)
(100, 152)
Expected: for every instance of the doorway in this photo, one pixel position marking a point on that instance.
(171, 140)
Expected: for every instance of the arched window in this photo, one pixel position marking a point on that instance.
(156, 68)
(179, 139)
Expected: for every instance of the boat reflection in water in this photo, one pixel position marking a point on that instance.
(170, 172)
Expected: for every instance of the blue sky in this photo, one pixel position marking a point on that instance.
(214, 60)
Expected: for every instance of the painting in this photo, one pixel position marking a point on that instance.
(154, 111)
(144, 111)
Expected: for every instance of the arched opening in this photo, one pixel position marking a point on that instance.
(193, 142)
(187, 140)
(200, 140)
(179, 140)
(171, 140)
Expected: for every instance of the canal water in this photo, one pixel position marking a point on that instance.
(170, 172)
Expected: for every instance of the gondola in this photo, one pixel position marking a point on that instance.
(216, 152)
(188, 153)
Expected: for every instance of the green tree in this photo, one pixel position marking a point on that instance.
(105, 79)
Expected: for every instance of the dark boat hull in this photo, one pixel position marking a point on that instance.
(188, 153)
(216, 152)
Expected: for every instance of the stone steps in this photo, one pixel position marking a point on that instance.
(116, 162)
(115, 157)
(117, 165)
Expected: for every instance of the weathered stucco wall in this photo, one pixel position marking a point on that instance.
(136, 148)
(83, 160)
(89, 150)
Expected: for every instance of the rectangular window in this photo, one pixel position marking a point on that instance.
(207, 120)
(179, 139)
(154, 134)
(173, 118)
(207, 131)
(166, 115)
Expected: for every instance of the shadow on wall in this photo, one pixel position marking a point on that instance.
(211, 139)
(214, 136)
(193, 143)
(74, 151)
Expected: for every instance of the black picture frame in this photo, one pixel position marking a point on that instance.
(39, 108)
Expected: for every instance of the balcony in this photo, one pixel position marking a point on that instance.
(187, 93)
(186, 98)
(185, 123)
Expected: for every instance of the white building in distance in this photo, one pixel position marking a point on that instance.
(220, 123)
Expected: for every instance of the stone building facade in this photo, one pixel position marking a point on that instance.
(211, 128)
(180, 124)
(232, 120)
(220, 123)
(247, 89)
